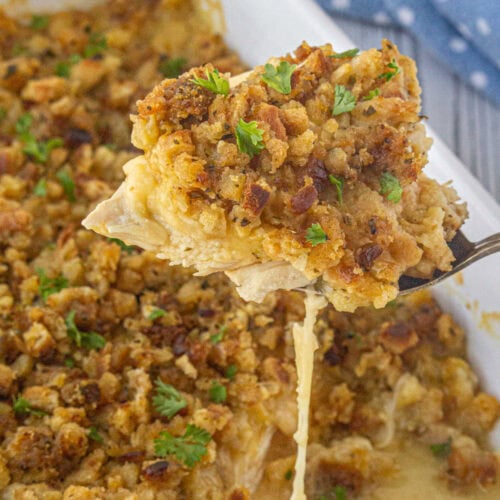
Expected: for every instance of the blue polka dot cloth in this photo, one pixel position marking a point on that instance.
(464, 34)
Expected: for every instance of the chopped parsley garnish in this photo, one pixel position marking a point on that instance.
(156, 313)
(217, 392)
(96, 45)
(345, 54)
(167, 400)
(217, 337)
(38, 150)
(47, 286)
(344, 100)
(395, 69)
(214, 82)
(315, 234)
(23, 406)
(288, 474)
(279, 78)
(336, 493)
(188, 448)
(249, 137)
(390, 186)
(339, 184)
(40, 188)
(94, 435)
(39, 22)
(373, 93)
(3, 113)
(126, 248)
(231, 371)
(66, 181)
(441, 450)
(63, 68)
(69, 362)
(90, 340)
(171, 68)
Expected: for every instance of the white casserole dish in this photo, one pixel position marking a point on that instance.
(261, 28)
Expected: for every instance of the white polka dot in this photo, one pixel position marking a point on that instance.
(406, 15)
(458, 44)
(482, 26)
(341, 4)
(479, 79)
(464, 29)
(381, 18)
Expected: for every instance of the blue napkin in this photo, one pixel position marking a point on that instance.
(463, 34)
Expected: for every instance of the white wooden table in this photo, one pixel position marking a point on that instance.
(467, 122)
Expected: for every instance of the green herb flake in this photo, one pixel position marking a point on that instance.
(217, 392)
(63, 69)
(66, 181)
(288, 475)
(69, 362)
(47, 286)
(339, 184)
(441, 450)
(231, 371)
(390, 186)
(167, 400)
(94, 435)
(214, 82)
(395, 70)
(373, 93)
(97, 45)
(171, 68)
(344, 100)
(279, 77)
(22, 406)
(315, 234)
(249, 137)
(90, 340)
(188, 448)
(345, 54)
(3, 113)
(126, 248)
(40, 188)
(39, 22)
(217, 337)
(156, 313)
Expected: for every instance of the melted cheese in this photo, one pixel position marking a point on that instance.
(305, 345)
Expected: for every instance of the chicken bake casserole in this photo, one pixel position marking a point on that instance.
(122, 376)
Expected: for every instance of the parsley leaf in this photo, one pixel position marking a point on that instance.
(38, 150)
(288, 474)
(171, 68)
(390, 74)
(156, 313)
(344, 100)
(279, 78)
(47, 286)
(69, 362)
(441, 450)
(373, 93)
(63, 68)
(214, 82)
(22, 406)
(217, 392)
(390, 186)
(339, 184)
(64, 177)
(40, 188)
(345, 54)
(231, 371)
(39, 22)
(188, 448)
(217, 337)
(315, 234)
(167, 400)
(94, 435)
(249, 138)
(126, 248)
(96, 45)
(91, 340)
(3, 113)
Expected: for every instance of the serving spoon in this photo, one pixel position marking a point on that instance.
(465, 253)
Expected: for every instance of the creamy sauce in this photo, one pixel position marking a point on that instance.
(305, 345)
